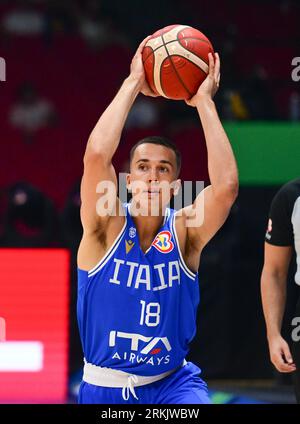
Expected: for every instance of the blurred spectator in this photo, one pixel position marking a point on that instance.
(97, 27)
(257, 96)
(23, 19)
(70, 219)
(143, 114)
(138, 19)
(31, 112)
(60, 18)
(233, 106)
(30, 218)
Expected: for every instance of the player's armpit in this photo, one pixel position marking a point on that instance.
(98, 192)
(207, 215)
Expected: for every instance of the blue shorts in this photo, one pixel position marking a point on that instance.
(182, 386)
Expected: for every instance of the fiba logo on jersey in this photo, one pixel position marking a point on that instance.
(132, 232)
(163, 242)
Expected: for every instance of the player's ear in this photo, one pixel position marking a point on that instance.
(128, 182)
(177, 185)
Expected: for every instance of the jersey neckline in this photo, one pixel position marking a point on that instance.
(167, 214)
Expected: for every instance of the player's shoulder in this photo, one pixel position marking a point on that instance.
(288, 193)
(177, 220)
(94, 245)
(291, 187)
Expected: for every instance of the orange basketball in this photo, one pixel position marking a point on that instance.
(176, 61)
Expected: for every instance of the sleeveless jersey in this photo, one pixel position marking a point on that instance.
(137, 311)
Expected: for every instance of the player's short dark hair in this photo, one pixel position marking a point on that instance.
(161, 141)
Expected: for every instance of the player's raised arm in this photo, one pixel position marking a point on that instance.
(215, 200)
(102, 144)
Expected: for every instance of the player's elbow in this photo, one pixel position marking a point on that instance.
(273, 273)
(228, 192)
(233, 189)
(93, 156)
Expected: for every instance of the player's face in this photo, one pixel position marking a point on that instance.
(152, 177)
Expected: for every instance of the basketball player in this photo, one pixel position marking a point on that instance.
(282, 235)
(137, 271)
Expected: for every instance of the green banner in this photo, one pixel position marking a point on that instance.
(266, 152)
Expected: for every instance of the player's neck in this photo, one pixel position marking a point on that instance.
(148, 226)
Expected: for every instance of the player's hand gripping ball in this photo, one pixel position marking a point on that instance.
(175, 60)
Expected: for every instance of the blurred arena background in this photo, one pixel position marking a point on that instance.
(64, 62)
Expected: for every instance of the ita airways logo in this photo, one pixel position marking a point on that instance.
(143, 349)
(163, 242)
(150, 343)
(155, 351)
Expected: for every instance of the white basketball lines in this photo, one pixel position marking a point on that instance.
(173, 47)
(159, 56)
(176, 48)
(172, 34)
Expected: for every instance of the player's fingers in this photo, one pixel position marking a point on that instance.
(217, 81)
(287, 354)
(147, 91)
(278, 361)
(139, 50)
(282, 367)
(211, 65)
(152, 94)
(142, 44)
(217, 66)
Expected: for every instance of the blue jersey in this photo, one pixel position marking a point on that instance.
(137, 311)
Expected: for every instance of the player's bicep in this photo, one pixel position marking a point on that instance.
(206, 216)
(98, 192)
